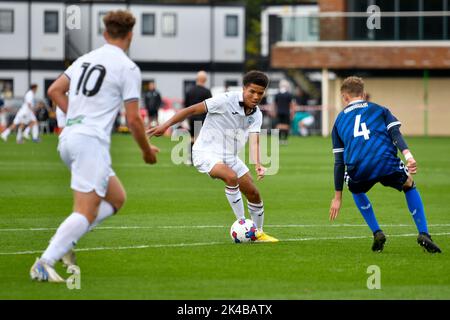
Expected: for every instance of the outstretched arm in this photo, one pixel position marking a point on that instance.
(136, 126)
(196, 109)
(339, 172)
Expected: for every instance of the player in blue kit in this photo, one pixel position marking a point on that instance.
(365, 141)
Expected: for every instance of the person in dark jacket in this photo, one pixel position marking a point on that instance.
(153, 101)
(194, 95)
(284, 104)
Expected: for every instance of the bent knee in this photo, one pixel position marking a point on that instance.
(122, 200)
(119, 201)
(231, 179)
(409, 184)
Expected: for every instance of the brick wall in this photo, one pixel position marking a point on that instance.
(361, 57)
(333, 28)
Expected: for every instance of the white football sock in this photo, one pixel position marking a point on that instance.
(26, 132)
(234, 197)
(105, 210)
(19, 134)
(257, 212)
(6, 133)
(35, 132)
(66, 237)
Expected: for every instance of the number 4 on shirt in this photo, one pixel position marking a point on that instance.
(364, 132)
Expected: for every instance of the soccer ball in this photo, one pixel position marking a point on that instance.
(243, 230)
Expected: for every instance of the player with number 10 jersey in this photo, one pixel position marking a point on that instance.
(93, 111)
(99, 83)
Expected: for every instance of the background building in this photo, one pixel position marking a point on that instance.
(171, 42)
(405, 62)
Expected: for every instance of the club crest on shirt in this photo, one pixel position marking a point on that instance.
(250, 120)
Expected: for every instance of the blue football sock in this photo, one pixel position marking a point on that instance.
(365, 207)
(415, 206)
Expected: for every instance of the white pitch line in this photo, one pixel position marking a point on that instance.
(362, 237)
(175, 245)
(181, 245)
(223, 226)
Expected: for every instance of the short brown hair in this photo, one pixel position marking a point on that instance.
(118, 23)
(354, 86)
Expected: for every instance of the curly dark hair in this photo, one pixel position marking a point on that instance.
(256, 77)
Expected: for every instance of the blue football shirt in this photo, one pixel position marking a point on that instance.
(361, 133)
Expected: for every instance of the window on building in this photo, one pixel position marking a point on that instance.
(169, 24)
(148, 24)
(414, 27)
(7, 88)
(409, 26)
(231, 26)
(101, 25)
(313, 26)
(389, 28)
(51, 22)
(47, 84)
(275, 30)
(433, 27)
(6, 21)
(231, 83)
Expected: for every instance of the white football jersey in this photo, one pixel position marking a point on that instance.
(226, 127)
(100, 82)
(28, 100)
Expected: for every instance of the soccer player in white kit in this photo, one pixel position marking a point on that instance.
(232, 118)
(98, 83)
(25, 116)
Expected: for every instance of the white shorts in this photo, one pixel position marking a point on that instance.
(24, 116)
(308, 121)
(205, 161)
(89, 162)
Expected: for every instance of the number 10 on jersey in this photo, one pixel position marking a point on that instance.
(364, 132)
(100, 74)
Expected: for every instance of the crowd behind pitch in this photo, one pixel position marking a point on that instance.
(303, 112)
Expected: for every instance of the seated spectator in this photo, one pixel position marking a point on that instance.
(301, 123)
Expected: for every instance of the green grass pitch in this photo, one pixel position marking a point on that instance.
(171, 240)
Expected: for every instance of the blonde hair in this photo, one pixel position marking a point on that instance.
(354, 86)
(119, 23)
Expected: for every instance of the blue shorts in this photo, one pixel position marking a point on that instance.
(394, 180)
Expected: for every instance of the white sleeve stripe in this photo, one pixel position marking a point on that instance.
(130, 99)
(338, 150)
(392, 124)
